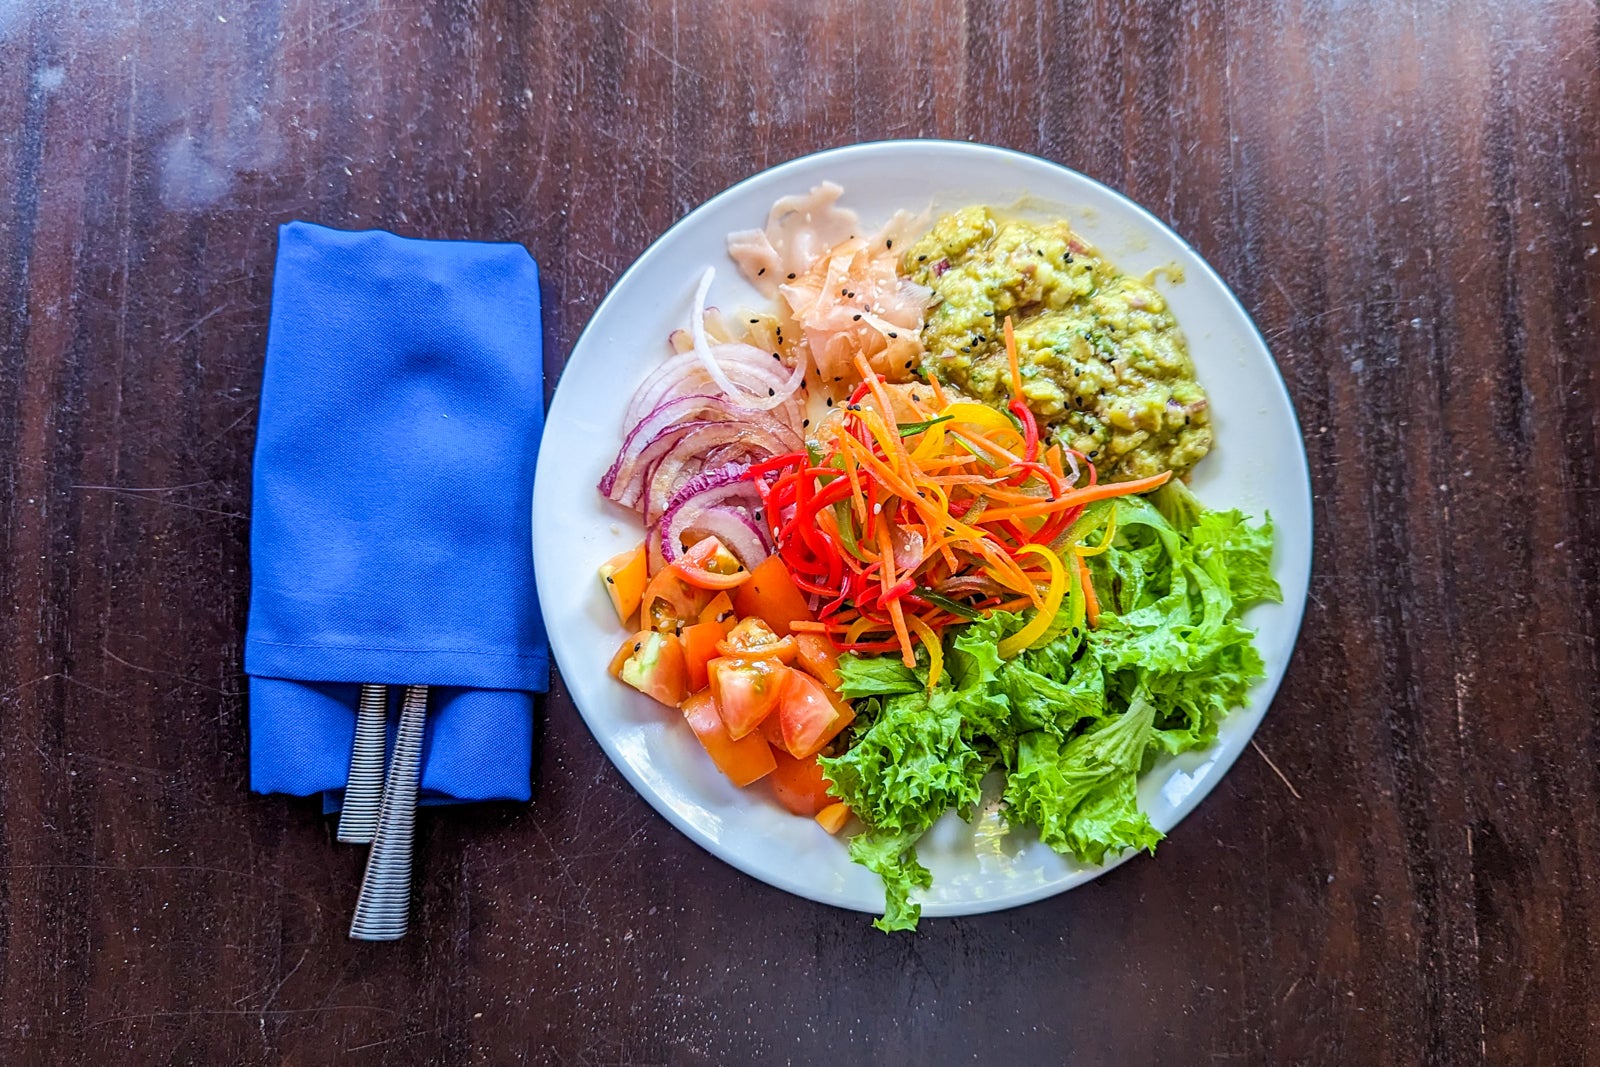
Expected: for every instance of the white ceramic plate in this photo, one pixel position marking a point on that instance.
(1259, 465)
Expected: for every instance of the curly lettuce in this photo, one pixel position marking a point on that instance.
(1070, 723)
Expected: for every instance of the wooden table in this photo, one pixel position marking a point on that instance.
(1404, 195)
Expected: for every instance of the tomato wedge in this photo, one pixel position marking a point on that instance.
(700, 648)
(668, 604)
(753, 639)
(745, 690)
(655, 667)
(624, 578)
(771, 594)
(809, 716)
(799, 784)
(709, 565)
(743, 761)
(625, 653)
(818, 658)
(833, 817)
(720, 611)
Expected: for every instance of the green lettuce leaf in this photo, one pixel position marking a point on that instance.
(893, 857)
(1073, 721)
(867, 676)
(1080, 793)
(910, 766)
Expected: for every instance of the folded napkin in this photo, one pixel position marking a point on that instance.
(391, 520)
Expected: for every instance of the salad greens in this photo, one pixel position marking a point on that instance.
(1071, 722)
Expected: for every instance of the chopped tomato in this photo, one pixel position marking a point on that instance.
(819, 658)
(743, 761)
(754, 639)
(624, 578)
(833, 817)
(669, 603)
(771, 594)
(746, 690)
(772, 730)
(700, 648)
(709, 565)
(799, 784)
(656, 668)
(808, 715)
(629, 647)
(720, 611)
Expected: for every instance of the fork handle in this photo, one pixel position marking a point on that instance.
(384, 907)
(363, 792)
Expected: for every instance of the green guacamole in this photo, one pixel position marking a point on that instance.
(1104, 365)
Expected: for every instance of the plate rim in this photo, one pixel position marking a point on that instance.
(936, 909)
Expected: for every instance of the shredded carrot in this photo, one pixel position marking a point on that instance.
(1091, 603)
(1011, 358)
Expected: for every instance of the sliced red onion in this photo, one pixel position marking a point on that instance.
(907, 548)
(682, 465)
(697, 329)
(971, 585)
(734, 527)
(713, 444)
(682, 409)
(719, 502)
(684, 374)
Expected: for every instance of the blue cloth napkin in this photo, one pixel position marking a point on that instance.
(390, 537)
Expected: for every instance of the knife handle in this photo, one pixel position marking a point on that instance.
(363, 792)
(384, 907)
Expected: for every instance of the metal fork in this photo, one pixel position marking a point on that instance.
(363, 793)
(383, 909)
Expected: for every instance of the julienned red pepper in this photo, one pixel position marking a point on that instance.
(860, 392)
(776, 463)
(898, 590)
(1030, 428)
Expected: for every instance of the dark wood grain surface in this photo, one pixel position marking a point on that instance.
(1404, 194)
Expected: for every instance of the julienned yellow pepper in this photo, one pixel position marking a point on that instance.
(1040, 624)
(1105, 542)
(980, 415)
(930, 641)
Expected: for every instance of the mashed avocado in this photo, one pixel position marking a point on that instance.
(1104, 365)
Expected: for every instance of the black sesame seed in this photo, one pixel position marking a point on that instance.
(856, 318)
(791, 277)
(638, 645)
(889, 243)
(805, 422)
(760, 272)
(892, 334)
(610, 580)
(771, 391)
(921, 258)
(830, 401)
(754, 321)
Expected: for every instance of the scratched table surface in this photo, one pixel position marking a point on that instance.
(1404, 194)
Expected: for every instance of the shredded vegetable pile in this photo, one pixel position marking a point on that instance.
(904, 528)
